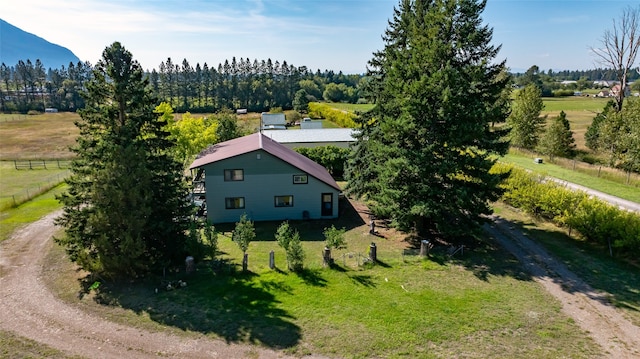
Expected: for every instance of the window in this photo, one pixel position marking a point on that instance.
(234, 202)
(300, 179)
(284, 201)
(234, 175)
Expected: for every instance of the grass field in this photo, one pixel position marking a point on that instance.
(480, 304)
(13, 218)
(46, 136)
(19, 185)
(605, 183)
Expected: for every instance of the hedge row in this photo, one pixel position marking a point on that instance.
(340, 118)
(595, 220)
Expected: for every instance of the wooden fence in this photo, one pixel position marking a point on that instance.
(41, 164)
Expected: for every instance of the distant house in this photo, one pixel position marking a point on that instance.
(615, 90)
(603, 93)
(264, 179)
(273, 121)
(339, 137)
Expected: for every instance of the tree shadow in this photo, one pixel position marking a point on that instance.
(312, 277)
(364, 280)
(235, 307)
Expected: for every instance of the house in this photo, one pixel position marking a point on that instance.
(603, 93)
(615, 90)
(273, 121)
(264, 179)
(339, 137)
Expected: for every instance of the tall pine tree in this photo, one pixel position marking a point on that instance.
(557, 140)
(424, 152)
(125, 211)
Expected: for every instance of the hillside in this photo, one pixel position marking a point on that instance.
(16, 44)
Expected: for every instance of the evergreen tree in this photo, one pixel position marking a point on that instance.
(592, 136)
(557, 140)
(424, 152)
(525, 121)
(125, 212)
(301, 101)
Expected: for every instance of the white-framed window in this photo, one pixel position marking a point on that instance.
(283, 201)
(234, 175)
(234, 202)
(300, 179)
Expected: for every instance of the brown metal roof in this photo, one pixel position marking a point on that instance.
(258, 141)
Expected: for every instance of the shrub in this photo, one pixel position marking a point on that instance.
(340, 118)
(595, 220)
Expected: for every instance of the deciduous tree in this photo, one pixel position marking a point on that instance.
(525, 123)
(619, 48)
(423, 154)
(243, 234)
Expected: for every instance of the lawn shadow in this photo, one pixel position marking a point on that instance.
(364, 280)
(312, 277)
(235, 307)
(483, 256)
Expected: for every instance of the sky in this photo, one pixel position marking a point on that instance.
(338, 35)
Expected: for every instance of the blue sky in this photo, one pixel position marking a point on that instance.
(337, 35)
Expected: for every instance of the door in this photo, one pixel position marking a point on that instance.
(327, 204)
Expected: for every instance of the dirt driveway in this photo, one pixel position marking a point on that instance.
(618, 337)
(31, 311)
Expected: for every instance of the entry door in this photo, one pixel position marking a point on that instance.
(327, 204)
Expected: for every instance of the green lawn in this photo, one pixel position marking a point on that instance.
(481, 304)
(16, 186)
(13, 218)
(574, 103)
(628, 192)
(351, 107)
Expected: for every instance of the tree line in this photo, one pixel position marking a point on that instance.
(253, 85)
(551, 83)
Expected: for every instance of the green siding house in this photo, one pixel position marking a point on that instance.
(264, 179)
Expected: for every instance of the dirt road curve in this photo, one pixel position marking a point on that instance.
(30, 310)
(590, 309)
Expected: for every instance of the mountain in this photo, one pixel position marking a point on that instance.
(16, 44)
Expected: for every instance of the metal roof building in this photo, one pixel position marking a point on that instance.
(339, 137)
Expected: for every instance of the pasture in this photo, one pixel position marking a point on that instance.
(46, 136)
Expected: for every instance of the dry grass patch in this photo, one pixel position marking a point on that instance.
(46, 136)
